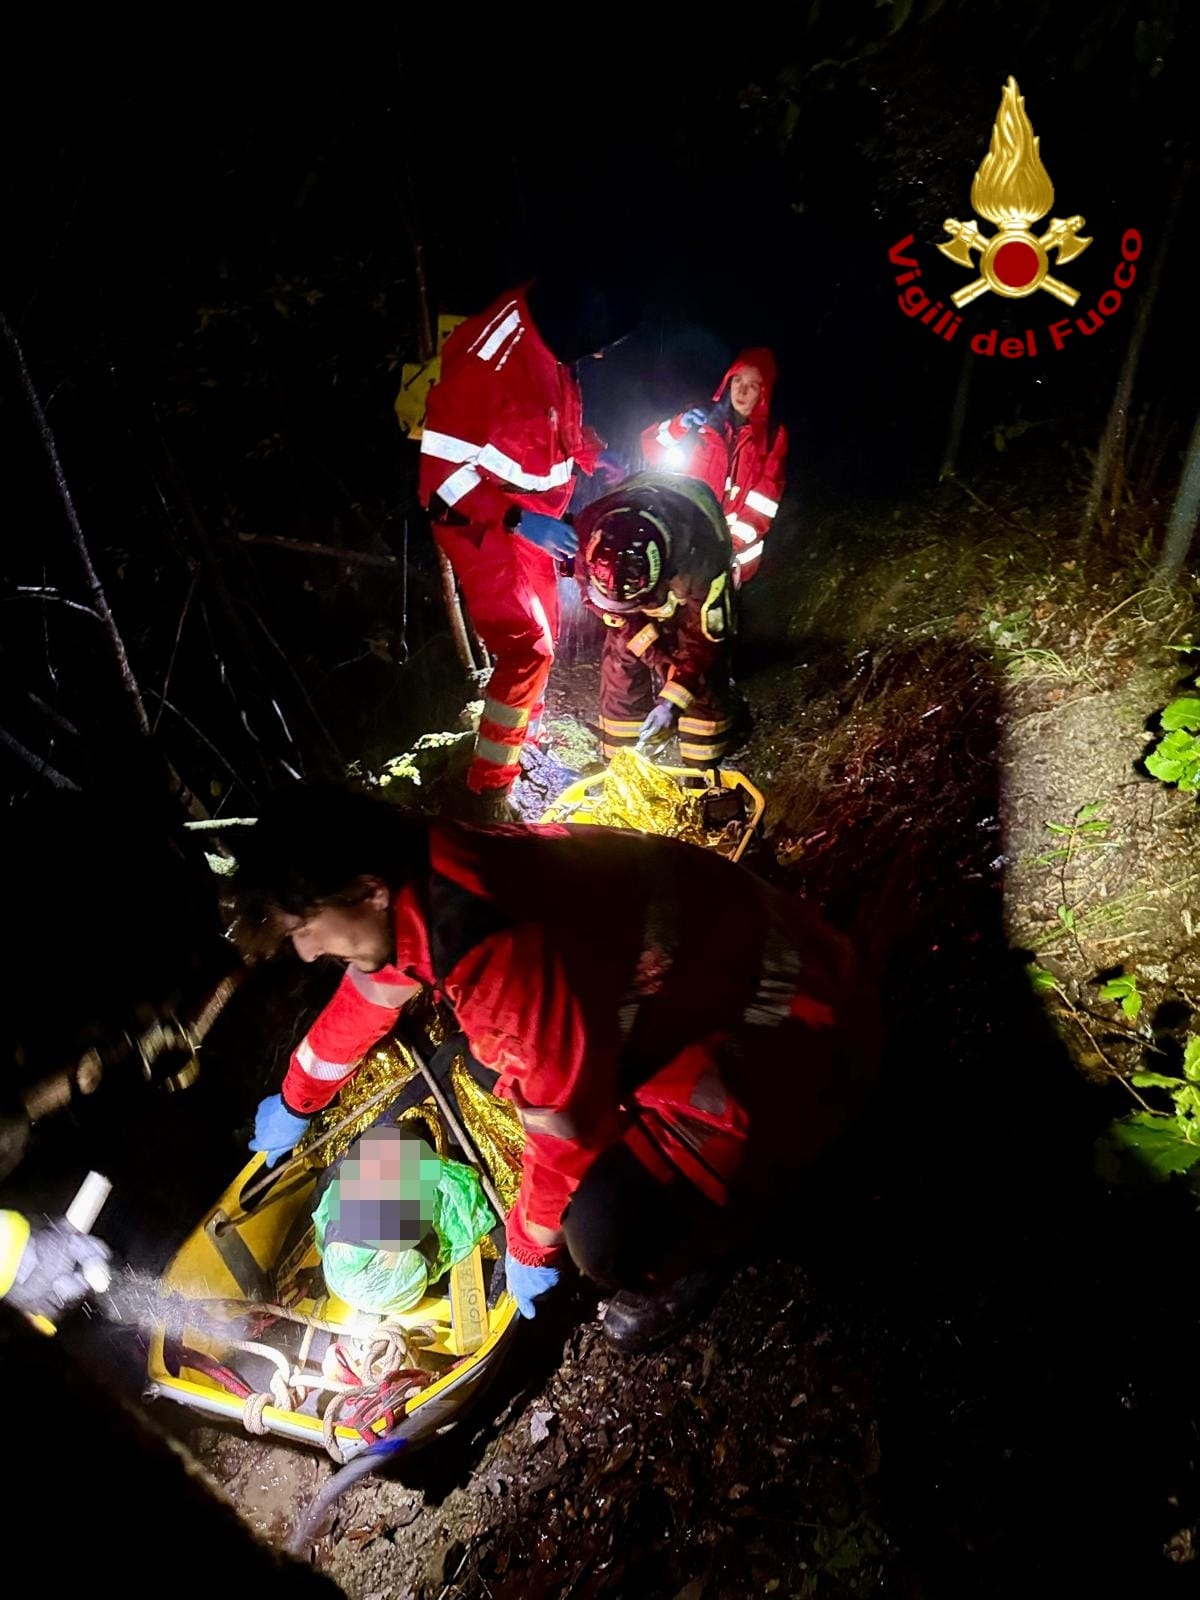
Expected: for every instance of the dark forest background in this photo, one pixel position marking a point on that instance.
(218, 233)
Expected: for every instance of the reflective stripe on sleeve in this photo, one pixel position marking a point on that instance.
(760, 503)
(750, 553)
(317, 1067)
(677, 695)
(741, 532)
(557, 1124)
(391, 996)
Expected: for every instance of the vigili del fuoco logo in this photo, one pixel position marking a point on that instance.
(1012, 190)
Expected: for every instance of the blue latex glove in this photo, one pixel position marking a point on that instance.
(695, 418)
(276, 1129)
(548, 533)
(526, 1283)
(658, 725)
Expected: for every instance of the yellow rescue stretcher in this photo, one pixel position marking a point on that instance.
(256, 1337)
(718, 809)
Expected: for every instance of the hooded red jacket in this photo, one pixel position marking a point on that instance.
(744, 466)
(582, 961)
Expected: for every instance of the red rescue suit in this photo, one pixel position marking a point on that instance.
(503, 433)
(744, 464)
(623, 986)
(676, 647)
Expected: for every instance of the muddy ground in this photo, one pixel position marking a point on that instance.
(961, 1365)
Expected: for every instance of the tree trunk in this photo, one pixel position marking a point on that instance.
(1109, 471)
(1184, 512)
(958, 417)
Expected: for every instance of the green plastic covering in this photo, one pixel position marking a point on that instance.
(386, 1281)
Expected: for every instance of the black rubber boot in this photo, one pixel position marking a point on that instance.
(634, 1321)
(490, 807)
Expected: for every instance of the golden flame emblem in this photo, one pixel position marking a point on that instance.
(1012, 189)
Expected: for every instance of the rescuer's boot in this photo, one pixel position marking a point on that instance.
(634, 1321)
(490, 807)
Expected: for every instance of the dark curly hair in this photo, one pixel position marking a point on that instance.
(309, 847)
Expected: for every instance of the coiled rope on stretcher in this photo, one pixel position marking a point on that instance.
(390, 1351)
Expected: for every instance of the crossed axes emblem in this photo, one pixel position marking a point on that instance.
(1026, 258)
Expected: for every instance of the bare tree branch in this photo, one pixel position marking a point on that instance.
(95, 589)
(42, 768)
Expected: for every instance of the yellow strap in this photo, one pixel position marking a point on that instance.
(468, 1305)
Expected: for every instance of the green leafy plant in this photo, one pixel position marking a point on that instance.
(1184, 1092)
(1086, 830)
(1124, 990)
(1159, 1143)
(1176, 757)
(1009, 630)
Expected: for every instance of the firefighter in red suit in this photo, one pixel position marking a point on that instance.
(674, 1033)
(503, 439)
(654, 564)
(735, 450)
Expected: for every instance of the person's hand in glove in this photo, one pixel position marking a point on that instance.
(525, 1283)
(657, 727)
(695, 418)
(58, 1269)
(549, 534)
(276, 1129)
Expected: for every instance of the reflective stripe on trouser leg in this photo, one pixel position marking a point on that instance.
(511, 590)
(626, 693)
(703, 739)
(619, 735)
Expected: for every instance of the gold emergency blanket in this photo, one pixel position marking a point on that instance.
(358, 1105)
(491, 1123)
(637, 794)
(495, 1128)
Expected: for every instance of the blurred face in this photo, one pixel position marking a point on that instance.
(745, 390)
(358, 933)
(386, 1190)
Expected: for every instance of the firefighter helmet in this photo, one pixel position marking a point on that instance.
(628, 559)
